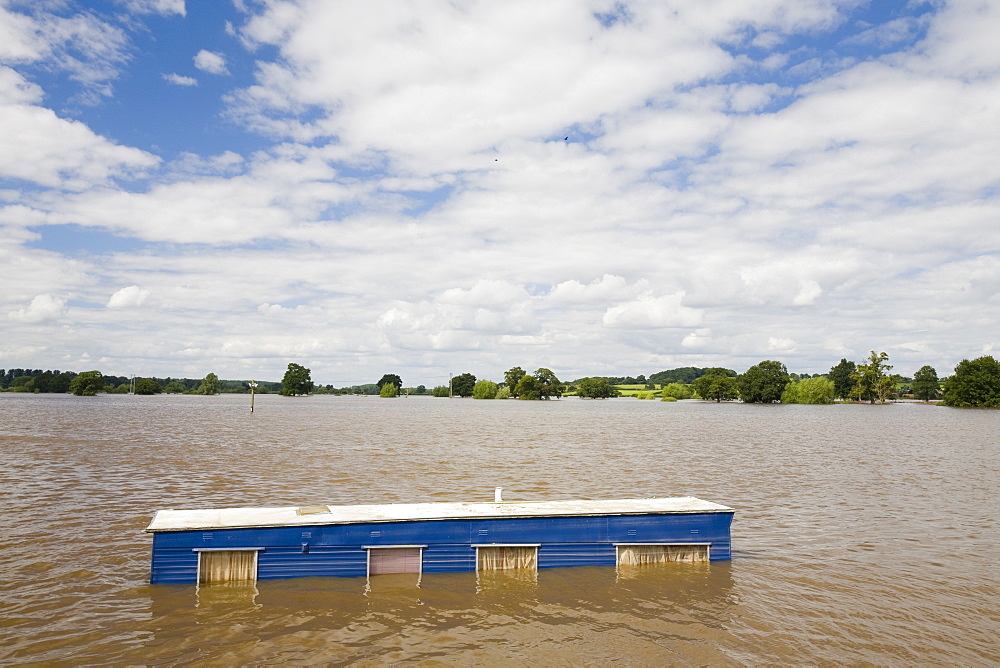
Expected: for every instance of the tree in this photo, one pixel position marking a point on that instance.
(925, 384)
(548, 384)
(527, 389)
(503, 393)
(841, 374)
(676, 391)
(512, 377)
(389, 391)
(174, 387)
(210, 385)
(974, 384)
(297, 380)
(683, 375)
(718, 384)
(816, 390)
(463, 384)
(389, 378)
(596, 388)
(87, 384)
(485, 389)
(440, 391)
(763, 383)
(871, 380)
(147, 386)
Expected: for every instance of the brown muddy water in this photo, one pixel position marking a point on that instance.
(863, 534)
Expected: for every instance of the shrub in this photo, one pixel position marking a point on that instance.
(815, 390)
(677, 391)
(484, 389)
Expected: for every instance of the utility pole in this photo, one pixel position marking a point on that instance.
(450, 395)
(253, 386)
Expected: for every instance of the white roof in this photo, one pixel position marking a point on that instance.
(232, 518)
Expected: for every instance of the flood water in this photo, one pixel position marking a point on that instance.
(862, 534)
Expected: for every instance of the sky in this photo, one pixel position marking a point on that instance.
(428, 187)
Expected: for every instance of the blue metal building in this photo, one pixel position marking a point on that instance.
(221, 545)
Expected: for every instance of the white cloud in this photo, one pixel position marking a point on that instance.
(697, 339)
(65, 154)
(18, 37)
(211, 62)
(780, 345)
(179, 80)
(90, 50)
(607, 288)
(648, 311)
(128, 297)
(484, 293)
(15, 89)
(164, 7)
(41, 309)
(477, 186)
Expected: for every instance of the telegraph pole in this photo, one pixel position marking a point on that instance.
(253, 386)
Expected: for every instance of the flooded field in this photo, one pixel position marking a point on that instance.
(863, 534)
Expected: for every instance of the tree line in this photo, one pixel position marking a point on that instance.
(93, 382)
(975, 383)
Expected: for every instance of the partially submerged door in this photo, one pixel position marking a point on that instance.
(219, 566)
(642, 554)
(506, 557)
(402, 559)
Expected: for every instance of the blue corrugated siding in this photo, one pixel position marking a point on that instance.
(336, 550)
(449, 558)
(559, 555)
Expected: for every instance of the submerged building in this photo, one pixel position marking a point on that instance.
(247, 544)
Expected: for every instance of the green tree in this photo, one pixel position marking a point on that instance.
(548, 384)
(512, 377)
(683, 375)
(503, 392)
(816, 390)
(718, 384)
(297, 380)
(925, 384)
(440, 391)
(975, 384)
(872, 380)
(485, 389)
(174, 387)
(62, 381)
(596, 388)
(210, 385)
(147, 386)
(676, 391)
(389, 378)
(462, 385)
(527, 389)
(841, 375)
(388, 390)
(87, 384)
(763, 383)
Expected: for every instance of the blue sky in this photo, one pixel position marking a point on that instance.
(432, 188)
